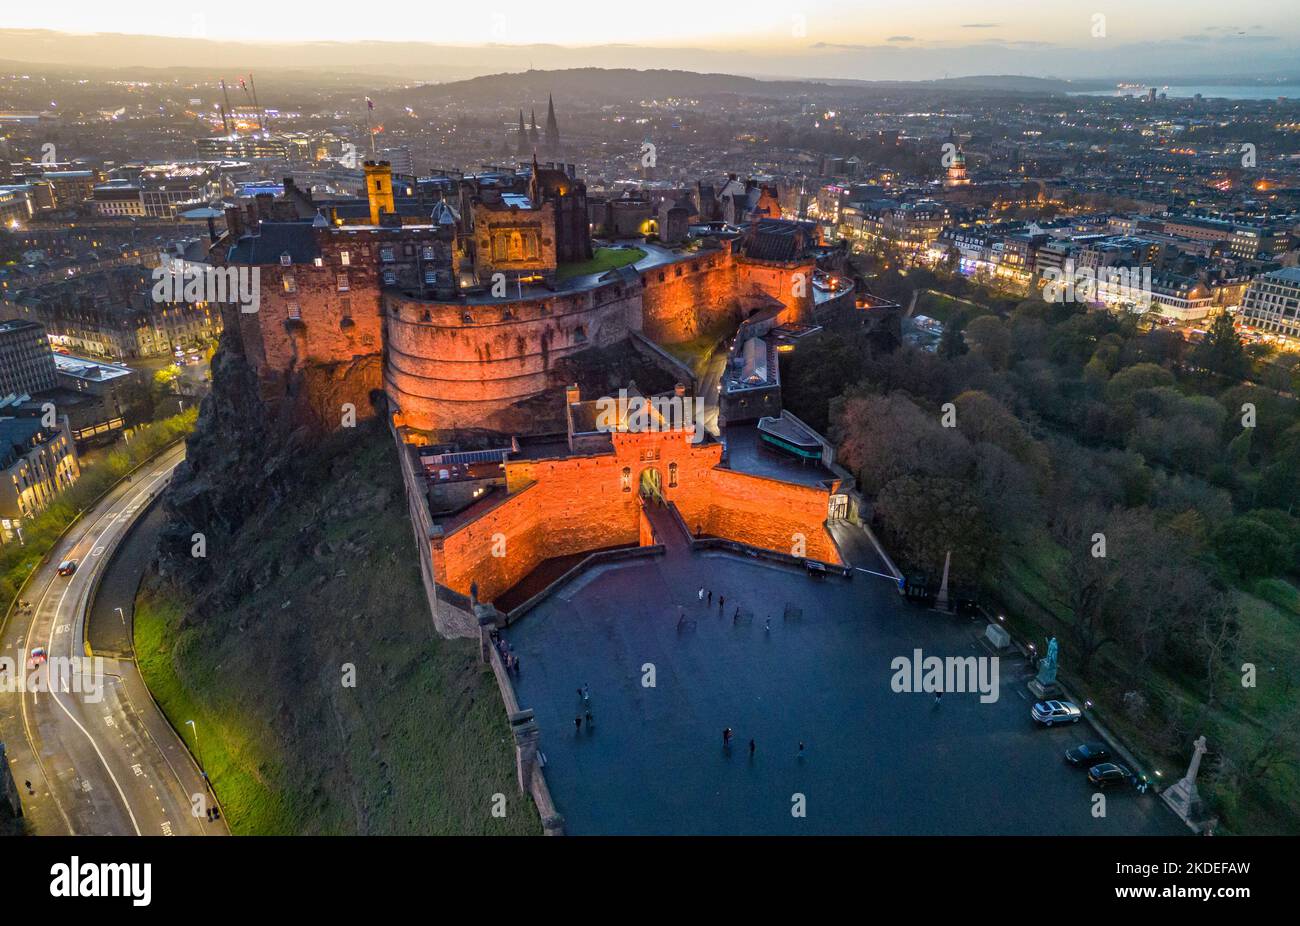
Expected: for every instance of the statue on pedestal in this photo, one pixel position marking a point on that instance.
(1043, 685)
(1047, 665)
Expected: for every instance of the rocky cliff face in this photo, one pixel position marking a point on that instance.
(236, 463)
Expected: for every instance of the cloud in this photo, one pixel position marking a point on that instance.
(900, 38)
(980, 25)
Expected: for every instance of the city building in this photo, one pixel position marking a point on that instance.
(1272, 304)
(37, 463)
(26, 361)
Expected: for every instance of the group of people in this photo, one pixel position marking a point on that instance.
(584, 705)
(728, 734)
(508, 657)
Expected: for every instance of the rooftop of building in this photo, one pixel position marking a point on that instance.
(90, 370)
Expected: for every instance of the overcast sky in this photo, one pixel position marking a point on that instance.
(818, 38)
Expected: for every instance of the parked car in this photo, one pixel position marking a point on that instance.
(67, 567)
(1086, 755)
(1050, 713)
(1109, 773)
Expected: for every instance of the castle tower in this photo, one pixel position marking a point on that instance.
(379, 189)
(533, 134)
(552, 129)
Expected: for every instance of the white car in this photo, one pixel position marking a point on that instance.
(1049, 713)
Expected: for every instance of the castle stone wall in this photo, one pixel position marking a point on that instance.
(455, 365)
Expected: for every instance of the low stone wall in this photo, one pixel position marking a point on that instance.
(834, 567)
(449, 620)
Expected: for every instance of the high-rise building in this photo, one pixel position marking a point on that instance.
(26, 361)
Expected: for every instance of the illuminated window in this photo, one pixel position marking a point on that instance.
(672, 475)
(345, 258)
(294, 310)
(343, 282)
(627, 479)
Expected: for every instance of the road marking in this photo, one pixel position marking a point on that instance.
(27, 727)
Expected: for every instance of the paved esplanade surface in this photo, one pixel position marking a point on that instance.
(876, 761)
(107, 764)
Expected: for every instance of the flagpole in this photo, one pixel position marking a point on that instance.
(370, 124)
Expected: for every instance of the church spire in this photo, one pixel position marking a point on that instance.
(552, 128)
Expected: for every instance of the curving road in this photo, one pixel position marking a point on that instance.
(102, 761)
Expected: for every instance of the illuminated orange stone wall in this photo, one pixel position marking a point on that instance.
(759, 512)
(683, 299)
(458, 365)
(563, 506)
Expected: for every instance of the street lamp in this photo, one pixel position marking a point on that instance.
(197, 752)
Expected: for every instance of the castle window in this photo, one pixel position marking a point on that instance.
(467, 318)
(430, 277)
(289, 282)
(428, 253)
(294, 310)
(343, 283)
(345, 258)
(672, 475)
(386, 255)
(286, 260)
(318, 262)
(661, 276)
(389, 278)
(580, 335)
(679, 272)
(627, 479)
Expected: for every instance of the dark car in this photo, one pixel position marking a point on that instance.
(1086, 755)
(1109, 773)
(67, 567)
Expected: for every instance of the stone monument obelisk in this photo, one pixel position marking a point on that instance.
(1183, 796)
(942, 601)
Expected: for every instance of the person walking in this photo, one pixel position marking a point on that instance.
(937, 696)
(701, 593)
(726, 736)
(710, 597)
(801, 750)
(577, 724)
(722, 599)
(751, 749)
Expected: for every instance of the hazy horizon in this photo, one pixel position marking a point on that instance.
(1192, 40)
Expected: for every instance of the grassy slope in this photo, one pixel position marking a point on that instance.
(419, 745)
(601, 260)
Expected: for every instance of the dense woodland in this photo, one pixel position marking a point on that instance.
(1074, 433)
